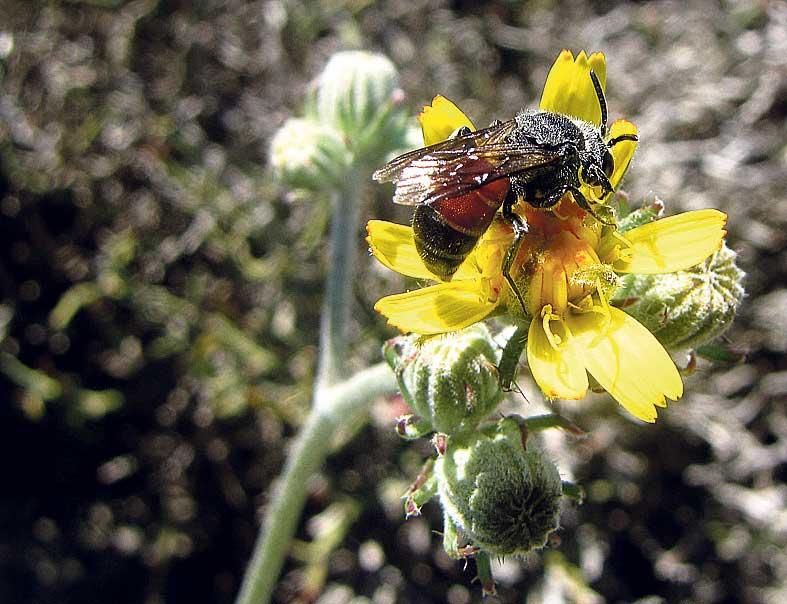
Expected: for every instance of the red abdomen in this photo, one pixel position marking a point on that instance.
(473, 212)
(447, 230)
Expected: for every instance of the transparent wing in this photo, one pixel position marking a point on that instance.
(459, 165)
(456, 146)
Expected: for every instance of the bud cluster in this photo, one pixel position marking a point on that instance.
(352, 116)
(500, 494)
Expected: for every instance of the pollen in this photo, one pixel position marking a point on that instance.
(556, 258)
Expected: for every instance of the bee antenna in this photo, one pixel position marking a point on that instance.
(623, 137)
(602, 102)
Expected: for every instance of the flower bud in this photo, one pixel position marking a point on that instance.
(309, 155)
(358, 94)
(687, 308)
(652, 209)
(352, 88)
(450, 381)
(503, 498)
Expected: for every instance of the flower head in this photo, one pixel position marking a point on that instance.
(567, 269)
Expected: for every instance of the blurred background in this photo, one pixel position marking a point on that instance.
(160, 298)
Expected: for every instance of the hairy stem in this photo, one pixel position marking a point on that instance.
(333, 404)
(338, 288)
(337, 405)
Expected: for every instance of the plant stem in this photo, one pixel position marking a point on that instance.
(338, 405)
(484, 568)
(332, 404)
(338, 288)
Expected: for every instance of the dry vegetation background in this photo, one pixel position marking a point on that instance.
(160, 296)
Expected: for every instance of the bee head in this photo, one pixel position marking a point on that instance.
(598, 173)
(596, 161)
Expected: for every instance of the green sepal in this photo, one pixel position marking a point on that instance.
(422, 490)
(515, 345)
(573, 491)
(720, 352)
(411, 427)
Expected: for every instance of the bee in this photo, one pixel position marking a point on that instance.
(459, 185)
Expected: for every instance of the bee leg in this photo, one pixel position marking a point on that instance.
(520, 229)
(581, 200)
(496, 123)
(583, 203)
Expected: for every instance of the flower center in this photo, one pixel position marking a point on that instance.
(557, 264)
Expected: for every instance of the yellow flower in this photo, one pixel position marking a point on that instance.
(569, 277)
(566, 269)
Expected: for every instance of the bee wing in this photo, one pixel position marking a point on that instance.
(440, 175)
(456, 147)
(460, 164)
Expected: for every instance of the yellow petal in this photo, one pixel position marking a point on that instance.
(393, 245)
(623, 151)
(558, 373)
(569, 89)
(627, 361)
(437, 309)
(440, 119)
(674, 243)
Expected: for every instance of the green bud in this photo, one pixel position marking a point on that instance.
(650, 211)
(358, 94)
(687, 308)
(353, 87)
(503, 498)
(450, 381)
(306, 154)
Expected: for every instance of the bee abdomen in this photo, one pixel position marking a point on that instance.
(441, 247)
(446, 231)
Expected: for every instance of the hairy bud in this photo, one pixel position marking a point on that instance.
(306, 154)
(687, 308)
(351, 88)
(502, 497)
(358, 94)
(450, 381)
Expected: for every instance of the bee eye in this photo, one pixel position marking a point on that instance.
(608, 164)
